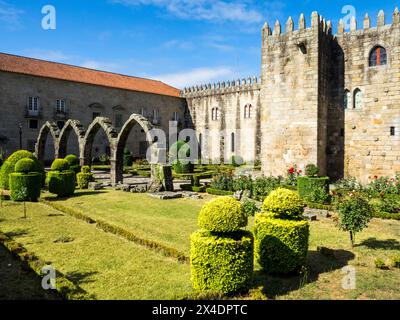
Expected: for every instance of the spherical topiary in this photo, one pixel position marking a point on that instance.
(280, 245)
(25, 165)
(284, 203)
(61, 183)
(25, 186)
(9, 166)
(221, 263)
(223, 214)
(60, 165)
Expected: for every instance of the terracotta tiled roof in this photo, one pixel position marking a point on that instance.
(47, 69)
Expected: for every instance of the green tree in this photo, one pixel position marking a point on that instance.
(354, 215)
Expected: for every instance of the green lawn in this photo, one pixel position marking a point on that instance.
(110, 267)
(169, 222)
(102, 264)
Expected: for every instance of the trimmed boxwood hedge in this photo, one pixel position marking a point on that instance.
(60, 165)
(285, 204)
(280, 245)
(31, 181)
(83, 180)
(25, 165)
(61, 183)
(189, 187)
(306, 185)
(9, 166)
(222, 263)
(217, 192)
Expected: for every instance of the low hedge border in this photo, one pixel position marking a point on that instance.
(320, 206)
(128, 235)
(386, 215)
(144, 173)
(189, 187)
(217, 192)
(64, 287)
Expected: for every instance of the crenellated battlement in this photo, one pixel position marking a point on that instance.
(325, 26)
(317, 21)
(223, 87)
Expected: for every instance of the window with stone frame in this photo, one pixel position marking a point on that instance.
(357, 99)
(347, 100)
(378, 57)
(61, 105)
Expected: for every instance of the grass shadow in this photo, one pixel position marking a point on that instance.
(273, 285)
(373, 243)
(75, 195)
(80, 277)
(17, 233)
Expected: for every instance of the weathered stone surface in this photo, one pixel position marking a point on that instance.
(310, 216)
(166, 195)
(95, 186)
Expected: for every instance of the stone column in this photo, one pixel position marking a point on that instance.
(116, 172)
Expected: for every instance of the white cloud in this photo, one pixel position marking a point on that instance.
(197, 76)
(203, 9)
(177, 44)
(9, 15)
(48, 55)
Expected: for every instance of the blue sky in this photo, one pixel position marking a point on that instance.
(181, 42)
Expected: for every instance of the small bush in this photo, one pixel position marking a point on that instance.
(178, 155)
(250, 207)
(30, 182)
(354, 215)
(223, 214)
(348, 184)
(217, 192)
(308, 187)
(60, 165)
(242, 183)
(222, 181)
(127, 158)
(61, 183)
(380, 264)
(25, 165)
(8, 166)
(262, 186)
(396, 261)
(311, 170)
(280, 245)
(318, 195)
(382, 186)
(221, 263)
(83, 180)
(284, 204)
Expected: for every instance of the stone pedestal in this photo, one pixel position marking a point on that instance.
(161, 178)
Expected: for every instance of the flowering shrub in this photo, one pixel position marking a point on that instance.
(292, 174)
(379, 186)
(222, 181)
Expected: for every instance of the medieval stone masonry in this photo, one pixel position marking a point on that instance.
(323, 98)
(327, 99)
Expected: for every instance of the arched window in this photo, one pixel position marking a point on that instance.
(232, 142)
(216, 114)
(357, 99)
(213, 114)
(247, 111)
(346, 99)
(378, 57)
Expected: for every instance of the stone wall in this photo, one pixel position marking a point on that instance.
(230, 133)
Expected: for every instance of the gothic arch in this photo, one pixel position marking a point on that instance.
(134, 119)
(48, 127)
(70, 126)
(100, 123)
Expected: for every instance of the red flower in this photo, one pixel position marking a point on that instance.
(291, 170)
(375, 177)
